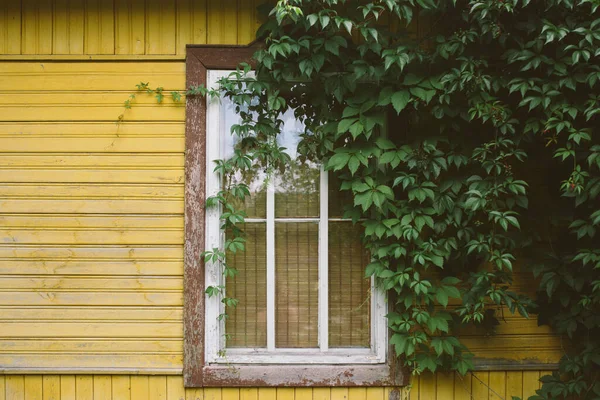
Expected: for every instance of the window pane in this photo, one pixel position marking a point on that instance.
(297, 186)
(296, 284)
(255, 204)
(247, 323)
(349, 290)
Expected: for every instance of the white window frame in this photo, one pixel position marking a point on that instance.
(215, 352)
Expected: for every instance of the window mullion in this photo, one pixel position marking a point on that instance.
(271, 265)
(323, 262)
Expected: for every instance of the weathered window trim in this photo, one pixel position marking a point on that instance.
(196, 373)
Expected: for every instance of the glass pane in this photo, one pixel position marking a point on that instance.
(296, 187)
(247, 323)
(349, 290)
(339, 200)
(255, 204)
(296, 284)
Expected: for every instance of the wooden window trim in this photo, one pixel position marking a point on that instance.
(199, 59)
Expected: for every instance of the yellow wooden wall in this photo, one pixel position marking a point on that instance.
(91, 211)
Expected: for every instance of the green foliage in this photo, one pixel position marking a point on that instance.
(469, 151)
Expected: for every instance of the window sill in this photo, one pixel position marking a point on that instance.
(300, 375)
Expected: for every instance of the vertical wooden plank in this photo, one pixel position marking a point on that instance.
(130, 26)
(320, 393)
(415, 387)
(84, 387)
(139, 387)
(2, 388)
(285, 394)
(102, 387)
(51, 385)
(160, 27)
(10, 27)
(121, 387)
(175, 390)
(264, 394)
(374, 393)
(514, 384)
(67, 387)
(358, 393)
(36, 34)
(497, 385)
(445, 386)
(194, 394)
(191, 23)
(15, 387)
(33, 387)
(530, 383)
(303, 394)
(251, 394)
(462, 386)
(246, 21)
(428, 386)
(337, 394)
(212, 394)
(67, 32)
(222, 21)
(157, 388)
(480, 385)
(99, 27)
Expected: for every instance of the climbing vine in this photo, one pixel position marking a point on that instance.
(470, 149)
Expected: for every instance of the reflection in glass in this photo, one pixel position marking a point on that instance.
(339, 200)
(296, 284)
(349, 290)
(247, 323)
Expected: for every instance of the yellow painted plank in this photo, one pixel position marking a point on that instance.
(10, 27)
(191, 23)
(123, 222)
(2, 388)
(108, 345)
(497, 382)
(194, 394)
(91, 130)
(251, 394)
(77, 191)
(139, 387)
(212, 394)
(89, 112)
(263, 394)
(445, 386)
(319, 393)
(99, 206)
(142, 267)
(135, 236)
(92, 160)
(37, 27)
(222, 22)
(15, 387)
(102, 387)
(428, 386)
(480, 385)
(130, 26)
(92, 313)
(84, 387)
(51, 384)
(67, 387)
(339, 394)
(160, 27)
(112, 329)
(530, 383)
(414, 387)
(117, 144)
(46, 298)
(230, 394)
(175, 390)
(303, 394)
(99, 27)
(285, 394)
(247, 21)
(462, 387)
(105, 253)
(121, 387)
(353, 394)
(103, 76)
(157, 388)
(374, 393)
(73, 175)
(33, 387)
(67, 29)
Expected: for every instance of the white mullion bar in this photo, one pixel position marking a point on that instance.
(323, 264)
(270, 265)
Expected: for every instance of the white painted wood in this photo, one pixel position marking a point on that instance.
(271, 266)
(323, 262)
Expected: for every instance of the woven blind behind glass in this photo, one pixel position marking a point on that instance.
(246, 324)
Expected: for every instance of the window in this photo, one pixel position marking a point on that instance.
(306, 316)
(303, 298)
